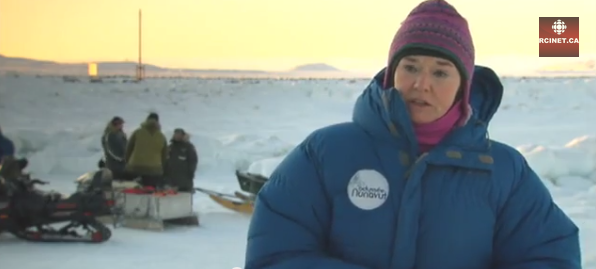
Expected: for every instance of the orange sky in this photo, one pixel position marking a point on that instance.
(261, 34)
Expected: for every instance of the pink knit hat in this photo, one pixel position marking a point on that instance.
(436, 26)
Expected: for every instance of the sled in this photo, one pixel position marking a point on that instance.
(249, 182)
(152, 210)
(146, 208)
(237, 202)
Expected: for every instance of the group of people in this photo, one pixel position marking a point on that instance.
(146, 155)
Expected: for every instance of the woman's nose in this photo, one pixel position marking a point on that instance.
(423, 82)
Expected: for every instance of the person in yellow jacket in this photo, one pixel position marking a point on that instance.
(146, 152)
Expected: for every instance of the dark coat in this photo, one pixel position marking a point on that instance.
(113, 143)
(6, 147)
(181, 165)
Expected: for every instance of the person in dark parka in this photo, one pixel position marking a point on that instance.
(113, 143)
(6, 147)
(11, 171)
(182, 162)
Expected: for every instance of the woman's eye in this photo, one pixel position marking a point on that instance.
(410, 68)
(440, 74)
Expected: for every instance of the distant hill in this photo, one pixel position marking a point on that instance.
(25, 66)
(315, 67)
(125, 68)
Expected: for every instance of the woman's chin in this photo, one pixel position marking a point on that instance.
(421, 118)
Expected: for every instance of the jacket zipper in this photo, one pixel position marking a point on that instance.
(409, 171)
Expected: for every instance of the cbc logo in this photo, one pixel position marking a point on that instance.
(559, 27)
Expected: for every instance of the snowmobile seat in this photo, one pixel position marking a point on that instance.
(94, 181)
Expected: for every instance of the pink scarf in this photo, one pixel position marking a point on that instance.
(430, 134)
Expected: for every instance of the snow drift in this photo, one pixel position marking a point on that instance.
(573, 165)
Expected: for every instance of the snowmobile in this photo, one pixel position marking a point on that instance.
(242, 202)
(144, 207)
(33, 215)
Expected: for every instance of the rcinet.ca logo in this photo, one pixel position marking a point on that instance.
(558, 36)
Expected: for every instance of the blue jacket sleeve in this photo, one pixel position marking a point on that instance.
(6, 146)
(532, 231)
(289, 226)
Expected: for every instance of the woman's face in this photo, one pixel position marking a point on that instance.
(428, 85)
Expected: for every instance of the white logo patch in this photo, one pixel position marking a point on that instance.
(368, 189)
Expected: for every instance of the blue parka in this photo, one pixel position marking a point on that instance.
(6, 147)
(357, 195)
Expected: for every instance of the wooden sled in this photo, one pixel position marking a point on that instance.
(237, 202)
(153, 211)
(147, 211)
(249, 183)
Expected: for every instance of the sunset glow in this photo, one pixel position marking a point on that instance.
(261, 34)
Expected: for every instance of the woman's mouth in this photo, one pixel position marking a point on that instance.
(419, 103)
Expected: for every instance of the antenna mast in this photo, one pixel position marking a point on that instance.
(140, 68)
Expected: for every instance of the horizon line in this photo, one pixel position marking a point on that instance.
(493, 59)
(148, 63)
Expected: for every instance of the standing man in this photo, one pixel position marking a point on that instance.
(182, 162)
(146, 152)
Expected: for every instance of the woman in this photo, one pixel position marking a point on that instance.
(113, 142)
(413, 181)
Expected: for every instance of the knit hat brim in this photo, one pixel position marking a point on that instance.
(420, 49)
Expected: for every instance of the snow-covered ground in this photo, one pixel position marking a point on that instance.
(252, 124)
